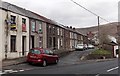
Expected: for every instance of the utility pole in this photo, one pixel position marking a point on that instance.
(98, 31)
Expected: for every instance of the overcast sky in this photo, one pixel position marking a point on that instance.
(70, 14)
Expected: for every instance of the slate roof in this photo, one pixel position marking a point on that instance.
(18, 10)
(30, 14)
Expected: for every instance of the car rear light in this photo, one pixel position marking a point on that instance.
(39, 60)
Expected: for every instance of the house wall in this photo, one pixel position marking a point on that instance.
(85, 40)
(3, 40)
(52, 37)
(67, 39)
(60, 38)
(80, 39)
(18, 33)
(2, 36)
(115, 48)
(44, 35)
(37, 34)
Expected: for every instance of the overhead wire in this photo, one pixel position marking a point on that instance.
(89, 11)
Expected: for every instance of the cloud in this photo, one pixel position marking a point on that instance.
(66, 12)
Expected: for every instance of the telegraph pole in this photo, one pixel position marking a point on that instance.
(98, 31)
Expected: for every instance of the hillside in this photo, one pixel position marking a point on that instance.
(110, 29)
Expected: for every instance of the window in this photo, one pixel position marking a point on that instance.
(53, 30)
(50, 42)
(70, 35)
(13, 23)
(61, 43)
(75, 36)
(23, 24)
(46, 51)
(35, 51)
(61, 31)
(40, 27)
(51, 52)
(40, 42)
(33, 26)
(13, 43)
(58, 31)
(50, 31)
(81, 37)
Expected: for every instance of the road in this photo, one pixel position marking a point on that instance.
(107, 67)
(71, 64)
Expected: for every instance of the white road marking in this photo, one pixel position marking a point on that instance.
(21, 70)
(8, 71)
(15, 71)
(112, 69)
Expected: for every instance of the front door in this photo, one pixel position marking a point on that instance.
(32, 37)
(54, 41)
(23, 45)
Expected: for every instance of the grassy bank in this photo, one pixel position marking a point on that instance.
(101, 51)
(99, 54)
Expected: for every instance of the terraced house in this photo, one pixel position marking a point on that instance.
(15, 31)
(22, 30)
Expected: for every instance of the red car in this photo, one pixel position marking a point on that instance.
(41, 56)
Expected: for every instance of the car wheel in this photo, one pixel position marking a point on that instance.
(56, 61)
(44, 63)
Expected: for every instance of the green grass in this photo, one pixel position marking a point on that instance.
(101, 51)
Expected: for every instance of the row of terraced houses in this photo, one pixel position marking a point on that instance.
(22, 30)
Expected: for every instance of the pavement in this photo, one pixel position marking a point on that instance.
(9, 62)
(21, 60)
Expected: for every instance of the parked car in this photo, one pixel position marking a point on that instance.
(41, 56)
(85, 46)
(90, 46)
(79, 47)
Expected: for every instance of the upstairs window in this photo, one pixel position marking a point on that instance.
(61, 32)
(53, 31)
(23, 24)
(33, 26)
(40, 27)
(50, 30)
(58, 31)
(13, 23)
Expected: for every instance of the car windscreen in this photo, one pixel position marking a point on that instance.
(35, 51)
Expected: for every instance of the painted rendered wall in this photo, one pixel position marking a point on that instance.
(1, 35)
(44, 35)
(18, 34)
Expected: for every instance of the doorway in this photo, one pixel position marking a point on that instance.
(23, 45)
(32, 38)
(54, 41)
